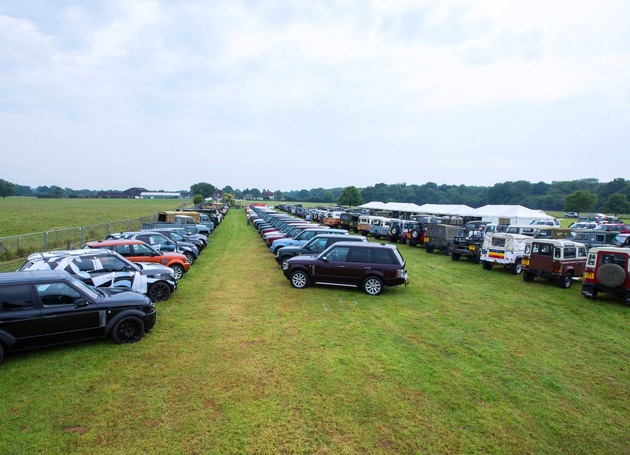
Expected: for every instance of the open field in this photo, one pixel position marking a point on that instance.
(462, 360)
(24, 215)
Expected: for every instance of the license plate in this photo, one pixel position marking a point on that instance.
(472, 247)
(426, 239)
(589, 275)
(525, 262)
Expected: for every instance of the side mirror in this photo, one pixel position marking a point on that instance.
(81, 303)
(325, 258)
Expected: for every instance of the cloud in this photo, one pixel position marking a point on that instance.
(243, 85)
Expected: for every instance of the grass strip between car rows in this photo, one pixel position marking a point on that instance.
(462, 360)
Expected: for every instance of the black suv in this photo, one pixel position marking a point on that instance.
(366, 265)
(468, 241)
(314, 246)
(50, 307)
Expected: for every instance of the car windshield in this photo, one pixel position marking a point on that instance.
(84, 288)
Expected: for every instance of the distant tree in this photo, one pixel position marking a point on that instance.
(350, 196)
(23, 190)
(6, 189)
(617, 203)
(277, 195)
(228, 189)
(255, 193)
(580, 201)
(328, 197)
(204, 188)
(303, 195)
(198, 199)
(57, 191)
(229, 199)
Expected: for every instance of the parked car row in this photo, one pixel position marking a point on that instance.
(106, 289)
(314, 254)
(596, 252)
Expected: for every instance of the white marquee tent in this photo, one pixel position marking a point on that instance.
(507, 214)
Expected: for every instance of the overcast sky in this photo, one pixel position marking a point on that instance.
(302, 94)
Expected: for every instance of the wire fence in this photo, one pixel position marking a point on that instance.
(15, 249)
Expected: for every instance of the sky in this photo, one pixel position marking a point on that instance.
(290, 95)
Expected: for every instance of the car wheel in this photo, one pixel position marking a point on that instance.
(455, 256)
(128, 330)
(528, 276)
(611, 275)
(377, 236)
(516, 268)
(486, 265)
(373, 285)
(299, 279)
(592, 296)
(429, 249)
(159, 291)
(566, 280)
(284, 262)
(178, 271)
(190, 258)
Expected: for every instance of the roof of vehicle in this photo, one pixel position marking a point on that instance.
(113, 242)
(65, 253)
(349, 238)
(31, 276)
(610, 249)
(556, 242)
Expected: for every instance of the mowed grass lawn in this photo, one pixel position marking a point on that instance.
(461, 361)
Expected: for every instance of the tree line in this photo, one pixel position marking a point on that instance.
(610, 196)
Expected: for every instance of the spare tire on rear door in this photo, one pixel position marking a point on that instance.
(611, 275)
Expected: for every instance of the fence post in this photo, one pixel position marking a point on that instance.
(45, 241)
(82, 236)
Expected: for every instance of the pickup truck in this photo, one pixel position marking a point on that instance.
(184, 221)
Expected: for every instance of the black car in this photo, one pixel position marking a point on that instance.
(367, 265)
(43, 308)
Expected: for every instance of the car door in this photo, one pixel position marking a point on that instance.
(65, 314)
(20, 315)
(331, 267)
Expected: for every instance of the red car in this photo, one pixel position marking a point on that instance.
(138, 251)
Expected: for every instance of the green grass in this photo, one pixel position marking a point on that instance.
(24, 215)
(462, 360)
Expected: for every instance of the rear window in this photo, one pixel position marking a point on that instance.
(500, 242)
(612, 258)
(15, 297)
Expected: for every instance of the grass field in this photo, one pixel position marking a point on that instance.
(461, 361)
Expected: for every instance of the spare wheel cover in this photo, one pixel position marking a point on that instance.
(611, 275)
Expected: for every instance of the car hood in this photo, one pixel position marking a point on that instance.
(303, 259)
(121, 297)
(153, 268)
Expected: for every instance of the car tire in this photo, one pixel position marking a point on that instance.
(414, 234)
(299, 279)
(373, 285)
(1, 353)
(528, 277)
(455, 256)
(566, 280)
(429, 249)
(159, 291)
(486, 265)
(178, 271)
(128, 330)
(394, 232)
(283, 262)
(190, 258)
(611, 275)
(516, 268)
(377, 236)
